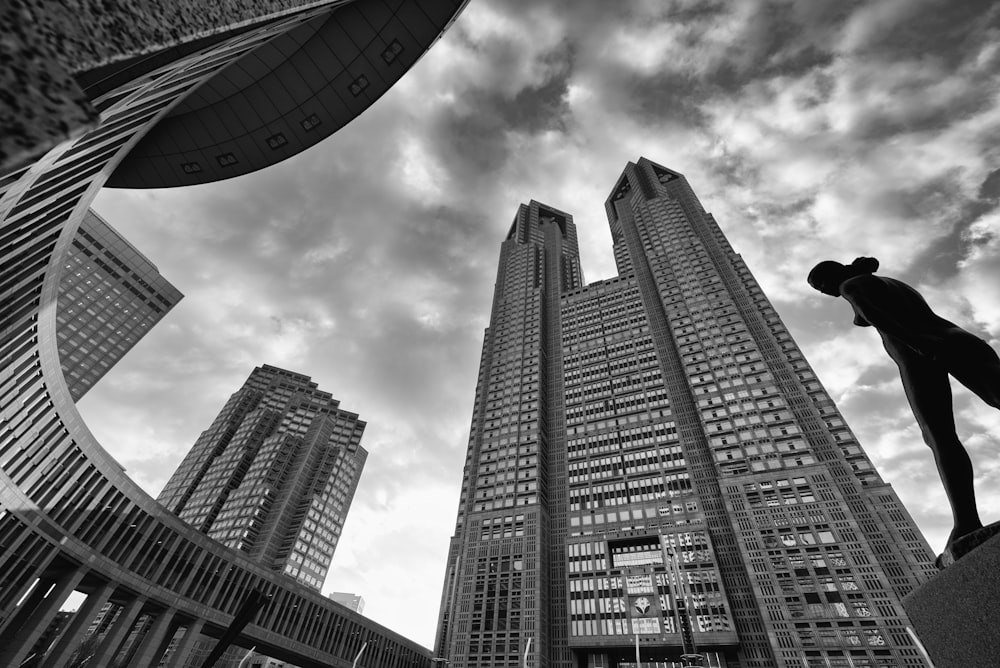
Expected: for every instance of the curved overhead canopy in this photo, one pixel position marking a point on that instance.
(286, 94)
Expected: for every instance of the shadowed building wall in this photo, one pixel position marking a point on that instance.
(652, 457)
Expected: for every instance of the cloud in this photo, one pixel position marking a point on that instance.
(810, 130)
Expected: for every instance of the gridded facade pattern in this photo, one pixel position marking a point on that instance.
(632, 508)
(274, 475)
(110, 295)
(707, 489)
(504, 571)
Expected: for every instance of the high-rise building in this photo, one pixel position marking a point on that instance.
(274, 475)
(167, 94)
(110, 295)
(653, 467)
(353, 601)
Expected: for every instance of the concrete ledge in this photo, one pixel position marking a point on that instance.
(956, 615)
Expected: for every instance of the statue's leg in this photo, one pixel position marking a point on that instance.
(928, 390)
(976, 365)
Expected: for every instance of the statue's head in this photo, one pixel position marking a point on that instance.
(828, 275)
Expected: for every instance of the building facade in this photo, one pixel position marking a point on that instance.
(110, 296)
(353, 601)
(654, 468)
(70, 519)
(274, 475)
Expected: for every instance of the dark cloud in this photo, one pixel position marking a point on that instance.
(990, 188)
(665, 97)
(939, 29)
(940, 260)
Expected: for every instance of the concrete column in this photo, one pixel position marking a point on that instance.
(955, 613)
(154, 643)
(9, 597)
(184, 647)
(105, 654)
(72, 635)
(31, 621)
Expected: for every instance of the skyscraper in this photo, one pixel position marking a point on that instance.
(274, 475)
(654, 468)
(110, 296)
(353, 601)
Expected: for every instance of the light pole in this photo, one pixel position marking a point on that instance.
(690, 658)
(249, 654)
(527, 648)
(360, 652)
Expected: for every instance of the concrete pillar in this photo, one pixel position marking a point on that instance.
(955, 614)
(105, 654)
(72, 635)
(35, 615)
(11, 595)
(32, 596)
(155, 641)
(186, 644)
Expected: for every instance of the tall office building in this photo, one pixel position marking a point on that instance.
(110, 295)
(653, 463)
(167, 95)
(353, 601)
(275, 474)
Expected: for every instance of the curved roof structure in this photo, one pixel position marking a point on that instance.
(70, 519)
(284, 94)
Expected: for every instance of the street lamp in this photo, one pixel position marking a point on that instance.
(360, 652)
(249, 654)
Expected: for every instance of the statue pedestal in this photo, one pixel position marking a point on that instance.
(956, 615)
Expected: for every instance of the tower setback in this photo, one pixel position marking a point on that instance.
(654, 468)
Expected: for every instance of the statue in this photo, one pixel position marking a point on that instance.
(926, 348)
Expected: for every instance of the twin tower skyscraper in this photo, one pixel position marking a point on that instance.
(652, 463)
(654, 469)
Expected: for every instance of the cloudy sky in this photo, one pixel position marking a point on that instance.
(811, 130)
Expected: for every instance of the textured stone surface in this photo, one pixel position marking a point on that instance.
(956, 614)
(88, 33)
(40, 104)
(43, 41)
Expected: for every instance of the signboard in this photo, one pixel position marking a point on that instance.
(639, 584)
(646, 625)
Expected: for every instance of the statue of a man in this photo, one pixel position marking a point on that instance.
(926, 348)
